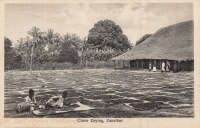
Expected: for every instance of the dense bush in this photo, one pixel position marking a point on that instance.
(52, 66)
(99, 55)
(100, 64)
(11, 60)
(64, 65)
(68, 54)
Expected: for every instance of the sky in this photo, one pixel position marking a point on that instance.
(135, 19)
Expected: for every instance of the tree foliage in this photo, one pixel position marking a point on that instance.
(105, 35)
(48, 47)
(68, 54)
(37, 40)
(11, 61)
(7, 45)
(105, 41)
(74, 40)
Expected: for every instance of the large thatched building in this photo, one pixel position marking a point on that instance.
(174, 43)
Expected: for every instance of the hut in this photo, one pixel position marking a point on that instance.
(174, 43)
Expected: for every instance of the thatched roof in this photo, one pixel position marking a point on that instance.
(175, 42)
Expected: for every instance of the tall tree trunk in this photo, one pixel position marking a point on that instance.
(31, 59)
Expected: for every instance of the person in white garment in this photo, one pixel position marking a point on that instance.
(167, 66)
(56, 101)
(149, 66)
(154, 66)
(163, 66)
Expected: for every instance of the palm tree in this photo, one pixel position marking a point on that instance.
(49, 36)
(66, 37)
(37, 36)
(74, 41)
(58, 43)
(51, 39)
(23, 50)
(21, 47)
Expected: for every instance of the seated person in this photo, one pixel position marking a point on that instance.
(56, 101)
(31, 98)
(29, 104)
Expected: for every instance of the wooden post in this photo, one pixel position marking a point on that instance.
(160, 65)
(142, 64)
(178, 65)
(125, 63)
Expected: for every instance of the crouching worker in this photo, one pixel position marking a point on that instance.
(56, 101)
(29, 104)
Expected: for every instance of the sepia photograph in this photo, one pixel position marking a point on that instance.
(99, 60)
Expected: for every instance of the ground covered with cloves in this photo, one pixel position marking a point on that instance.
(113, 93)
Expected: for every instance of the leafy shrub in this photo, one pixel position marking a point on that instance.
(100, 64)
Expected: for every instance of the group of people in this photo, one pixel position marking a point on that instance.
(165, 66)
(53, 102)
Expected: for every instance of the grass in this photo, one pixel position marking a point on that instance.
(114, 93)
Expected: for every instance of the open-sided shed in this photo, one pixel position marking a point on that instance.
(174, 43)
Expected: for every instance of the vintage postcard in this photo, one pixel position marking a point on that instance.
(100, 64)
